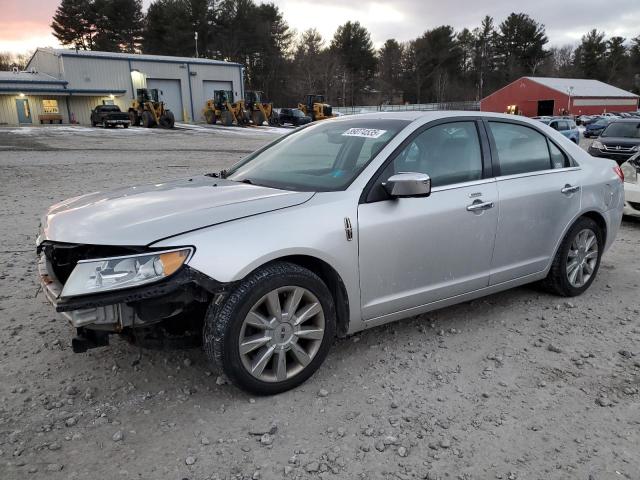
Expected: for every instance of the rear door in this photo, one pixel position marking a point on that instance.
(540, 193)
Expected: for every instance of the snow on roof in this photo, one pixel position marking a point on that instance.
(136, 56)
(28, 77)
(581, 87)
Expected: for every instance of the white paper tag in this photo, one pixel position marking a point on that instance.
(364, 132)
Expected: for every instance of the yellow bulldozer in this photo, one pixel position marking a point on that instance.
(259, 110)
(316, 108)
(221, 108)
(147, 110)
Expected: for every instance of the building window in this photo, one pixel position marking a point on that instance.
(50, 106)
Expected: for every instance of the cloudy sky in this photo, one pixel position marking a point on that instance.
(24, 24)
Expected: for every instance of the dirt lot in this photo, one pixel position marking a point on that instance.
(519, 385)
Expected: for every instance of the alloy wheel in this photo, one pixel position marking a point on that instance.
(582, 258)
(281, 334)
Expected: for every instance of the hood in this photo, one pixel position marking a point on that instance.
(144, 214)
(622, 141)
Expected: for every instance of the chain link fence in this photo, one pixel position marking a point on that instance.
(416, 107)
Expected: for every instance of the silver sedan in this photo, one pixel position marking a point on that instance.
(337, 227)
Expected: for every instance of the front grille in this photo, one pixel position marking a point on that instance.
(618, 149)
(63, 257)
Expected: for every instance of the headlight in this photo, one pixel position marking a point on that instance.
(115, 273)
(630, 172)
(597, 144)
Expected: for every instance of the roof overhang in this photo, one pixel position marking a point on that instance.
(62, 92)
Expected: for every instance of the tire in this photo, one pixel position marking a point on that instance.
(134, 118)
(558, 280)
(226, 325)
(227, 118)
(167, 120)
(147, 120)
(125, 125)
(210, 117)
(93, 124)
(257, 118)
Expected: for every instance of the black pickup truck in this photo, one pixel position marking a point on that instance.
(109, 116)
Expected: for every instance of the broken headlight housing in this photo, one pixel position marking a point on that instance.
(115, 273)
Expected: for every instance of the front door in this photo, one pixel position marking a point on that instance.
(24, 112)
(414, 251)
(540, 195)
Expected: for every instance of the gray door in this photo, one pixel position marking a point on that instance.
(170, 93)
(210, 86)
(414, 251)
(24, 112)
(539, 196)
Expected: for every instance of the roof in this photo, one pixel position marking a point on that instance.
(581, 87)
(29, 78)
(136, 57)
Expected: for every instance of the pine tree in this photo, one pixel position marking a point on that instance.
(590, 55)
(353, 47)
(74, 24)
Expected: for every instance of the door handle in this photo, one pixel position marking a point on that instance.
(479, 206)
(568, 189)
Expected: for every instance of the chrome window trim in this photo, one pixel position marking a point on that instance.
(538, 172)
(455, 186)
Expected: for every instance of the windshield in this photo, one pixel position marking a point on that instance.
(324, 157)
(297, 113)
(622, 129)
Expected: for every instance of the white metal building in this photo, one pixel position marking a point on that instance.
(64, 85)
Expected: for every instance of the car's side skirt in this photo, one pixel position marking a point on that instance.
(410, 312)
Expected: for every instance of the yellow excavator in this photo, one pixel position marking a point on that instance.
(316, 108)
(221, 108)
(147, 110)
(258, 109)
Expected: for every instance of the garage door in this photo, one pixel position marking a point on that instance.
(170, 93)
(210, 86)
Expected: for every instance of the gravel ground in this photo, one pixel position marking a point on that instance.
(518, 385)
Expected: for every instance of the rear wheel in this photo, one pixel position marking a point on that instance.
(273, 331)
(577, 261)
(167, 120)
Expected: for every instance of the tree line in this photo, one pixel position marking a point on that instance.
(440, 65)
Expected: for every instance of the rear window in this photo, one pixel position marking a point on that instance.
(520, 149)
(622, 129)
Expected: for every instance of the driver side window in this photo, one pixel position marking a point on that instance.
(449, 153)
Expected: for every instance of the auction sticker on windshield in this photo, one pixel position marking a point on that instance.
(364, 132)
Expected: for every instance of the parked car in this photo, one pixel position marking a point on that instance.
(631, 171)
(584, 119)
(566, 127)
(332, 229)
(595, 128)
(109, 116)
(619, 141)
(293, 116)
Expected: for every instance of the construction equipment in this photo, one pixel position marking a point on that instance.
(316, 108)
(149, 111)
(258, 109)
(221, 108)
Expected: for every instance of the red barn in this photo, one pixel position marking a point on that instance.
(537, 96)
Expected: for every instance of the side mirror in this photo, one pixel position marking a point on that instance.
(409, 184)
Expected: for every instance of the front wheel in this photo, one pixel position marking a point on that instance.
(273, 331)
(577, 261)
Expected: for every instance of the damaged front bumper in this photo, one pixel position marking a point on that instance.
(129, 308)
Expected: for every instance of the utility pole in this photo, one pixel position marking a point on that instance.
(195, 35)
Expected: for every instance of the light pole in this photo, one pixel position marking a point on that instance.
(195, 35)
(570, 92)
